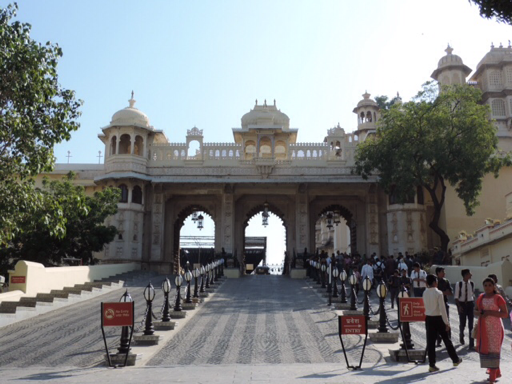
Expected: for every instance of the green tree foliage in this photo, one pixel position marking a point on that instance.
(430, 142)
(501, 10)
(85, 231)
(35, 114)
(385, 103)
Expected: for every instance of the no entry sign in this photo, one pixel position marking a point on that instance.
(353, 325)
(412, 309)
(117, 314)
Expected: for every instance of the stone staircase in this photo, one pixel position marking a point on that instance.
(27, 307)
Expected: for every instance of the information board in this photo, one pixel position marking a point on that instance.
(18, 279)
(352, 325)
(117, 314)
(412, 309)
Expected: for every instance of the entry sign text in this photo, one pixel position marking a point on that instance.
(117, 314)
(18, 279)
(353, 325)
(412, 309)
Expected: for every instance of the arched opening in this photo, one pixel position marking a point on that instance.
(124, 193)
(194, 238)
(335, 232)
(194, 149)
(139, 145)
(124, 145)
(265, 147)
(265, 240)
(250, 149)
(137, 195)
(113, 144)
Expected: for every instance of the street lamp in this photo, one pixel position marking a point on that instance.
(265, 215)
(343, 278)
(323, 268)
(329, 279)
(382, 291)
(124, 342)
(367, 286)
(329, 220)
(149, 296)
(353, 281)
(335, 274)
(166, 287)
(196, 274)
(178, 281)
(203, 271)
(200, 221)
(188, 278)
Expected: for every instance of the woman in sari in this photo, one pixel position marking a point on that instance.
(491, 308)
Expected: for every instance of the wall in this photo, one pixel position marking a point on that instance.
(39, 279)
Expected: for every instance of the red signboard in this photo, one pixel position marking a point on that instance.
(117, 314)
(18, 279)
(353, 325)
(412, 309)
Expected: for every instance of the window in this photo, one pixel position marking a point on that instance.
(137, 195)
(498, 107)
(124, 193)
(495, 80)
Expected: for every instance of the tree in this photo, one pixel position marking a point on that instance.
(501, 10)
(385, 103)
(430, 142)
(85, 231)
(35, 114)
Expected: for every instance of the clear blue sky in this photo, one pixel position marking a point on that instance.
(203, 63)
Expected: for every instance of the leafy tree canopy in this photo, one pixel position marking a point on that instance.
(385, 103)
(501, 10)
(84, 217)
(35, 114)
(434, 140)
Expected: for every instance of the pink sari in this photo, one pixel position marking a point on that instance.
(490, 334)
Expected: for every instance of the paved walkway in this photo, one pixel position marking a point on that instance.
(264, 329)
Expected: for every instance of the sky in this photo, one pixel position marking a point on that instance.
(204, 63)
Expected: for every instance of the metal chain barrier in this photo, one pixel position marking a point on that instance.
(142, 323)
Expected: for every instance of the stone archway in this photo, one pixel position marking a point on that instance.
(343, 212)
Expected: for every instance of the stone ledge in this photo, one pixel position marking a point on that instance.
(350, 312)
(118, 358)
(178, 314)
(189, 306)
(146, 339)
(399, 355)
(165, 325)
(381, 337)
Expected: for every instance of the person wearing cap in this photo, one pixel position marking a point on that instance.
(437, 323)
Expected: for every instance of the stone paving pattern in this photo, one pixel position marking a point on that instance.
(276, 327)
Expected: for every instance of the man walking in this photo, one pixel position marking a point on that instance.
(419, 280)
(367, 271)
(465, 300)
(444, 286)
(436, 323)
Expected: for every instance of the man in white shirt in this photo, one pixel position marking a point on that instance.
(419, 280)
(465, 300)
(437, 323)
(367, 270)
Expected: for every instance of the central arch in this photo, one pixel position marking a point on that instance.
(343, 212)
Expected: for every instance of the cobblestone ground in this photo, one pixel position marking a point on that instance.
(252, 320)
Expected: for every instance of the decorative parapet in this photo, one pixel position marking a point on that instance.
(484, 236)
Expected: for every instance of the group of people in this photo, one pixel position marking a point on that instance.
(490, 308)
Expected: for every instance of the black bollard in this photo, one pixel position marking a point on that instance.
(382, 291)
(203, 271)
(353, 281)
(335, 274)
(149, 296)
(323, 268)
(124, 342)
(196, 274)
(178, 281)
(166, 287)
(343, 290)
(188, 278)
(367, 286)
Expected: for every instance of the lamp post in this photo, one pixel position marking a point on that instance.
(323, 268)
(196, 274)
(178, 281)
(367, 286)
(382, 291)
(353, 281)
(188, 278)
(407, 341)
(216, 270)
(211, 274)
(124, 342)
(203, 271)
(329, 279)
(149, 296)
(335, 274)
(343, 290)
(166, 287)
(318, 280)
(207, 267)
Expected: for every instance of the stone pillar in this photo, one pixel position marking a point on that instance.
(227, 217)
(157, 224)
(372, 224)
(302, 220)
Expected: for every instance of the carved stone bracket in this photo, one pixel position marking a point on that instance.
(264, 166)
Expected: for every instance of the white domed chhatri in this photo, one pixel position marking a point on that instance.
(450, 69)
(265, 115)
(130, 116)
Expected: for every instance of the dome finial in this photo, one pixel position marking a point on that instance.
(131, 101)
(449, 50)
(366, 95)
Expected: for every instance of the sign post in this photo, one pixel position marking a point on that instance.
(120, 314)
(353, 325)
(412, 309)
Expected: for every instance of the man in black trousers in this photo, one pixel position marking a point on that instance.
(437, 323)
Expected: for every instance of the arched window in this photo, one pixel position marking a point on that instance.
(139, 145)
(124, 145)
(498, 107)
(124, 193)
(369, 116)
(137, 195)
